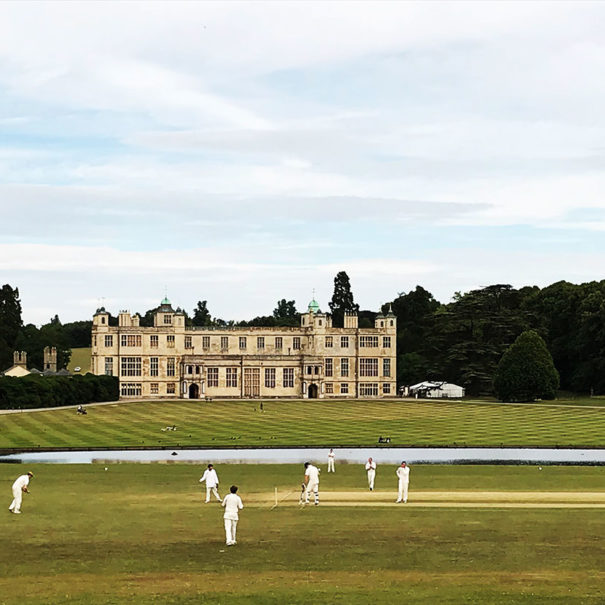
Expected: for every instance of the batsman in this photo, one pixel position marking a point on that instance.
(311, 482)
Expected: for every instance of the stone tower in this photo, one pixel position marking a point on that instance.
(50, 359)
(20, 359)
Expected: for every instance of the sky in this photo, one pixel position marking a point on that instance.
(242, 153)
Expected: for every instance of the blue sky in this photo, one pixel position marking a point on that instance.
(245, 152)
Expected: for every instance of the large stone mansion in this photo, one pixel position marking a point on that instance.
(315, 360)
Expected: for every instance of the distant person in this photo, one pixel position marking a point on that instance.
(211, 479)
(232, 505)
(81, 409)
(403, 472)
(371, 468)
(262, 409)
(311, 480)
(331, 457)
(19, 488)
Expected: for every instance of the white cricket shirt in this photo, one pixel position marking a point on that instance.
(313, 473)
(403, 474)
(21, 482)
(232, 503)
(210, 477)
(370, 466)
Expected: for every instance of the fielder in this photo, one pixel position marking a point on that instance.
(211, 479)
(232, 505)
(371, 468)
(331, 457)
(312, 482)
(403, 472)
(19, 488)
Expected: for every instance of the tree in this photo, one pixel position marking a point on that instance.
(10, 324)
(526, 371)
(201, 315)
(342, 299)
(285, 313)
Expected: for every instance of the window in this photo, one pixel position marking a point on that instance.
(153, 341)
(386, 342)
(329, 366)
(102, 320)
(154, 388)
(130, 389)
(316, 369)
(131, 366)
(170, 388)
(344, 367)
(369, 389)
(109, 340)
(344, 388)
(231, 377)
(309, 369)
(205, 342)
(329, 342)
(170, 367)
(296, 343)
(212, 377)
(94, 341)
(288, 378)
(189, 370)
(270, 378)
(279, 342)
(329, 388)
(167, 319)
(243, 342)
(154, 366)
(260, 342)
(197, 369)
(224, 342)
(131, 340)
(344, 342)
(368, 341)
(109, 366)
(368, 366)
(386, 388)
(188, 343)
(386, 367)
(170, 341)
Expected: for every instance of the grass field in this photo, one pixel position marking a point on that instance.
(315, 422)
(139, 534)
(80, 358)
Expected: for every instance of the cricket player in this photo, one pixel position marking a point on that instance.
(312, 482)
(331, 457)
(19, 488)
(211, 479)
(403, 472)
(371, 468)
(232, 505)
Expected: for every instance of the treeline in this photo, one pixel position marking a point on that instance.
(463, 341)
(35, 391)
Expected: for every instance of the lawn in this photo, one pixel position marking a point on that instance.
(309, 423)
(80, 358)
(139, 534)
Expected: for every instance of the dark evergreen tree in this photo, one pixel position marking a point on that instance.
(342, 299)
(10, 324)
(526, 371)
(201, 315)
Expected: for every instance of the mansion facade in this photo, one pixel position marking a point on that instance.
(314, 360)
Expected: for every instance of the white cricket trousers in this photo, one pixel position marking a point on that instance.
(230, 531)
(312, 487)
(403, 491)
(371, 477)
(214, 491)
(17, 498)
(331, 465)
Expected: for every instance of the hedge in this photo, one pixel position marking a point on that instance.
(37, 391)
